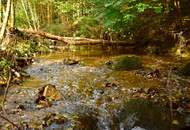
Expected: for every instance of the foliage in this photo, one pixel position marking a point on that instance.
(4, 63)
(58, 29)
(25, 48)
(29, 48)
(65, 6)
(120, 19)
(87, 26)
(20, 20)
(123, 15)
(120, 16)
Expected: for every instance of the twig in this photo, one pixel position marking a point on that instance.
(1, 116)
(5, 93)
(4, 99)
(7, 87)
(170, 93)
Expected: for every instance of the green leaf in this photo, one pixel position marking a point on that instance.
(158, 10)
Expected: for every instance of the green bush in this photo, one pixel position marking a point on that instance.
(61, 29)
(43, 49)
(29, 48)
(4, 63)
(127, 63)
(87, 27)
(25, 48)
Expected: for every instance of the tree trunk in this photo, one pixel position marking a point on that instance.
(5, 20)
(36, 16)
(32, 15)
(166, 6)
(12, 16)
(26, 13)
(77, 40)
(49, 14)
(1, 16)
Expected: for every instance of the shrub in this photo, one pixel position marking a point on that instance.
(4, 63)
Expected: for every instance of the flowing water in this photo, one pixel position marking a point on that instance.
(87, 100)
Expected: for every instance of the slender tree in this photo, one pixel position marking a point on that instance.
(5, 20)
(12, 14)
(36, 19)
(32, 15)
(26, 13)
(1, 11)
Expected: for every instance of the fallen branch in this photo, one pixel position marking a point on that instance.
(4, 99)
(76, 40)
(44, 34)
(7, 87)
(12, 123)
(6, 91)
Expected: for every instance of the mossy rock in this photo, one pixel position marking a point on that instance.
(127, 63)
(185, 69)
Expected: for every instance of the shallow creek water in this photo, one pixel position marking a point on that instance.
(86, 100)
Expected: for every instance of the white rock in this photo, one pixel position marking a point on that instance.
(137, 128)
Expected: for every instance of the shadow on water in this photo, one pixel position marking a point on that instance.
(143, 114)
(135, 114)
(87, 121)
(99, 50)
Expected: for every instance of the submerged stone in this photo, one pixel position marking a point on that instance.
(138, 128)
(127, 63)
(50, 91)
(70, 62)
(185, 69)
(47, 94)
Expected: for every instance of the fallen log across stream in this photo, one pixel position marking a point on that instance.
(76, 40)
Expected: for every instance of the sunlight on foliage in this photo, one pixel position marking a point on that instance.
(4, 63)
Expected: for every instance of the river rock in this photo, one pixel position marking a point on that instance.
(42, 102)
(185, 69)
(46, 94)
(49, 91)
(137, 128)
(70, 61)
(51, 118)
(127, 63)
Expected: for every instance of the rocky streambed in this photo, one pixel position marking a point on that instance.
(86, 92)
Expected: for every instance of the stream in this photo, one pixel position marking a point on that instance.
(94, 97)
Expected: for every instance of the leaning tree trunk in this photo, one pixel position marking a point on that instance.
(1, 11)
(5, 20)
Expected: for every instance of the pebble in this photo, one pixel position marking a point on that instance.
(137, 128)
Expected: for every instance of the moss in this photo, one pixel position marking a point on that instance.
(127, 63)
(185, 69)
